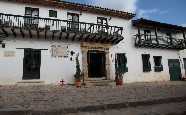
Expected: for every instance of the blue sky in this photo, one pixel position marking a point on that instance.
(169, 11)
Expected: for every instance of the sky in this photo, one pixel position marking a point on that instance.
(167, 11)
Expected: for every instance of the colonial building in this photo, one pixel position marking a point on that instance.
(40, 41)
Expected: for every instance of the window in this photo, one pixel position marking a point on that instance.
(147, 34)
(102, 21)
(158, 67)
(121, 63)
(73, 21)
(169, 36)
(33, 14)
(53, 13)
(146, 62)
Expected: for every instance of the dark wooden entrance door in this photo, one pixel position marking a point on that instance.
(184, 60)
(174, 69)
(96, 64)
(31, 64)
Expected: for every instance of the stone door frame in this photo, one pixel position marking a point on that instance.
(85, 47)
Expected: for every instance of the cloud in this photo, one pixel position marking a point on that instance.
(146, 13)
(125, 5)
(184, 25)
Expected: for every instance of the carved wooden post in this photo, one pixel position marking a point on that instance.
(156, 34)
(184, 36)
(139, 36)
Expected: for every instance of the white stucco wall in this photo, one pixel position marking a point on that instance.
(55, 69)
(135, 67)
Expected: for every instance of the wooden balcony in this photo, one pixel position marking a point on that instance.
(153, 41)
(56, 29)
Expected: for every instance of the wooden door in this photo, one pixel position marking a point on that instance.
(96, 64)
(31, 64)
(174, 69)
(184, 60)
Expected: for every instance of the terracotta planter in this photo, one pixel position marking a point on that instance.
(78, 83)
(119, 82)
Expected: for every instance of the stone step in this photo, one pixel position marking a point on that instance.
(93, 82)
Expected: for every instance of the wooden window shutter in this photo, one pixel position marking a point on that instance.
(121, 62)
(146, 62)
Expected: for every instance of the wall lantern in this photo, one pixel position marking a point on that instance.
(2, 44)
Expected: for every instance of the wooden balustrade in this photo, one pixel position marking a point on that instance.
(155, 41)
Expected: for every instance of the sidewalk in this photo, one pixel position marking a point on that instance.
(69, 99)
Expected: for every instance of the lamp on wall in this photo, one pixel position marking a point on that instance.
(2, 44)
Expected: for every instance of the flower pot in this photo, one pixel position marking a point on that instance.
(119, 82)
(78, 83)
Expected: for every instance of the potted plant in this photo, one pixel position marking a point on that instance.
(78, 74)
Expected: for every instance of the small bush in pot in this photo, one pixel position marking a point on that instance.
(78, 74)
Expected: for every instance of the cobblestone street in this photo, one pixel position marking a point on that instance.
(95, 100)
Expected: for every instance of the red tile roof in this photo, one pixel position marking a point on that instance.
(78, 7)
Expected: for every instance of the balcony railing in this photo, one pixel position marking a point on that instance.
(153, 41)
(15, 21)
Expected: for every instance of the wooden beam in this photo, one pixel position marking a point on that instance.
(81, 37)
(67, 36)
(5, 32)
(38, 33)
(60, 35)
(13, 31)
(74, 36)
(110, 38)
(87, 37)
(98, 38)
(30, 33)
(92, 38)
(104, 39)
(22, 33)
(46, 33)
(53, 35)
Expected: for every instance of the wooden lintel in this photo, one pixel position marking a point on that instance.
(31, 48)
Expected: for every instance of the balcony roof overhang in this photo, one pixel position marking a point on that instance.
(55, 30)
(145, 23)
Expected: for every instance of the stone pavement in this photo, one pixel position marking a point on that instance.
(68, 99)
